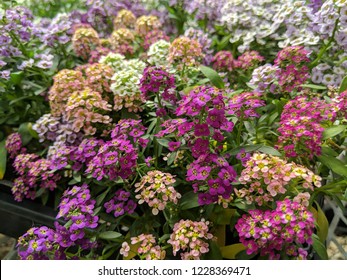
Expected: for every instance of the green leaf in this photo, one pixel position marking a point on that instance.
(319, 247)
(247, 148)
(17, 77)
(314, 86)
(224, 217)
(171, 158)
(215, 79)
(244, 256)
(108, 235)
(322, 222)
(3, 159)
(334, 164)
(189, 200)
(230, 251)
(188, 89)
(26, 132)
(224, 42)
(163, 142)
(100, 198)
(259, 147)
(327, 151)
(214, 252)
(333, 131)
(270, 151)
(343, 85)
(6, 183)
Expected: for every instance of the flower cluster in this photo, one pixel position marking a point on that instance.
(156, 189)
(104, 159)
(38, 244)
(95, 55)
(55, 129)
(301, 126)
(34, 173)
(76, 157)
(115, 60)
(121, 41)
(283, 231)
(43, 243)
(115, 158)
(18, 23)
(84, 40)
(145, 24)
(203, 39)
(191, 238)
(55, 33)
(76, 207)
(210, 172)
(130, 129)
(153, 37)
(158, 53)
(14, 145)
(86, 109)
(124, 19)
(244, 105)
(120, 204)
(98, 77)
(158, 81)
(341, 103)
(147, 248)
(66, 82)
(293, 70)
(184, 51)
(207, 103)
(248, 60)
(126, 90)
(264, 78)
(223, 61)
(269, 177)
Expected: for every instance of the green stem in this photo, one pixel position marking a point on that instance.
(156, 144)
(238, 138)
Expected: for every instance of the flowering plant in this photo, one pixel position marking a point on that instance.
(202, 140)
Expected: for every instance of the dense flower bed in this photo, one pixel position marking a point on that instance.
(175, 129)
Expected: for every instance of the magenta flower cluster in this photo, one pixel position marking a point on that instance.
(34, 172)
(76, 208)
(248, 60)
(275, 233)
(244, 105)
(190, 238)
(157, 80)
(223, 61)
(120, 204)
(301, 126)
(14, 145)
(206, 122)
(101, 159)
(266, 178)
(293, 70)
(38, 244)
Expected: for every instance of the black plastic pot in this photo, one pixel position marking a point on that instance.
(16, 218)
